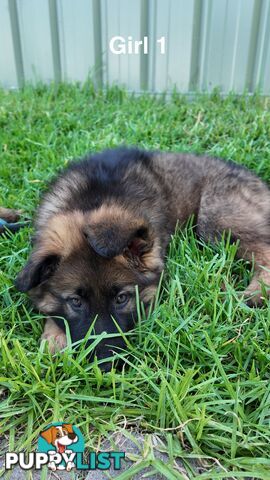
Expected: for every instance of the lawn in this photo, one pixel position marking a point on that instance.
(197, 370)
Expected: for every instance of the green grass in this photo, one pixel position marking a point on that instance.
(198, 368)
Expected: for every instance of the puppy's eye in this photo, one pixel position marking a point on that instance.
(58, 435)
(122, 298)
(75, 302)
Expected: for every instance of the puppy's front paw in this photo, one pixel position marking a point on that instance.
(55, 337)
(55, 342)
(70, 465)
(52, 466)
(9, 214)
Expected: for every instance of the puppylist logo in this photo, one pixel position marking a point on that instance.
(61, 447)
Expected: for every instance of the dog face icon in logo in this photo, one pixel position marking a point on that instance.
(60, 437)
(61, 441)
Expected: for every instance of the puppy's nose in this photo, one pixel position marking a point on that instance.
(71, 436)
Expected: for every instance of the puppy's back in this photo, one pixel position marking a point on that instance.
(165, 187)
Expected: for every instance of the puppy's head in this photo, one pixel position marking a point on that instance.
(86, 266)
(60, 436)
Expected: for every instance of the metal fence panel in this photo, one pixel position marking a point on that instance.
(121, 18)
(35, 38)
(208, 43)
(76, 39)
(8, 75)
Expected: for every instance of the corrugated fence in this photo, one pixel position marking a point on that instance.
(189, 44)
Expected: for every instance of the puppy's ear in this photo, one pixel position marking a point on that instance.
(115, 231)
(37, 270)
(48, 435)
(111, 241)
(68, 426)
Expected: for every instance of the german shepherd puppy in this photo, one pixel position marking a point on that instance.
(105, 223)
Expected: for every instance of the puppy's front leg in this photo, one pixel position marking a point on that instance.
(9, 214)
(54, 335)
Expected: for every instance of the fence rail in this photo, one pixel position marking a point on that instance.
(191, 44)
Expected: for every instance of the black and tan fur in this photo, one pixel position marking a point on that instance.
(105, 224)
(11, 220)
(9, 214)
